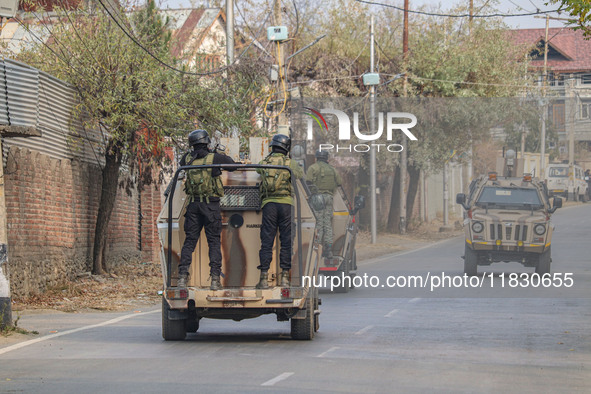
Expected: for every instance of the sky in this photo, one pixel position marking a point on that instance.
(504, 6)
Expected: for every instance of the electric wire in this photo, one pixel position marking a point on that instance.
(493, 15)
(282, 78)
(163, 63)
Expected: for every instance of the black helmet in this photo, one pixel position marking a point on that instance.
(281, 141)
(199, 137)
(321, 155)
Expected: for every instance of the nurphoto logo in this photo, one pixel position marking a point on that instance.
(395, 122)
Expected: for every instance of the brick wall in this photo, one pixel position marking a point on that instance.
(51, 210)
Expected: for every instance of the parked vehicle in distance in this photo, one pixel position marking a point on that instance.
(557, 179)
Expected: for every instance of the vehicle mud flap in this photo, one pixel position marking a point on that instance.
(544, 261)
(175, 314)
(172, 330)
(470, 261)
(346, 278)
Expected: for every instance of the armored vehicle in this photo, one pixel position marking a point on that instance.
(183, 308)
(508, 219)
(344, 227)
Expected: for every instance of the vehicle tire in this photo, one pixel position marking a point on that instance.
(345, 273)
(470, 261)
(303, 329)
(544, 261)
(192, 325)
(316, 306)
(172, 330)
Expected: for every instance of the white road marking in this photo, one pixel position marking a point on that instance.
(328, 351)
(414, 300)
(390, 256)
(276, 379)
(391, 313)
(364, 330)
(75, 330)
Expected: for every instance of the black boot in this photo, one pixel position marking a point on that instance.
(284, 280)
(182, 281)
(215, 283)
(263, 281)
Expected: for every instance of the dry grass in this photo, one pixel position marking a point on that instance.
(126, 286)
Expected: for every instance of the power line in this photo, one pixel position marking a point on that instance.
(136, 42)
(473, 83)
(326, 79)
(457, 15)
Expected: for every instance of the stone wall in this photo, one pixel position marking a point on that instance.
(51, 210)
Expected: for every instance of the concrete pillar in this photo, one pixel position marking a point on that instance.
(5, 300)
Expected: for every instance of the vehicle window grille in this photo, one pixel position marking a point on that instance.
(524, 236)
(500, 234)
(517, 232)
(508, 231)
(492, 231)
(241, 198)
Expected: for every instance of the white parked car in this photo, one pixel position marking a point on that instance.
(557, 178)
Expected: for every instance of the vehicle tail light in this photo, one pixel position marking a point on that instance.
(470, 213)
(285, 292)
(498, 242)
(177, 294)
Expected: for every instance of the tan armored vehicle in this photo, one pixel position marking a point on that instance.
(183, 308)
(508, 219)
(344, 229)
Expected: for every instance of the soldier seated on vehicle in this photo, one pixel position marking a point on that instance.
(277, 203)
(327, 180)
(204, 189)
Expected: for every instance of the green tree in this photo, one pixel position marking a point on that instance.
(132, 98)
(580, 12)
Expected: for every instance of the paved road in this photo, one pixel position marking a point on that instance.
(371, 340)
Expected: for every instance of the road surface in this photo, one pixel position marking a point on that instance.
(382, 339)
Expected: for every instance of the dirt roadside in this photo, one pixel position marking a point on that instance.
(136, 285)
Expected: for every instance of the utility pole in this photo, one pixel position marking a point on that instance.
(230, 31)
(282, 123)
(403, 155)
(5, 300)
(471, 16)
(572, 100)
(544, 108)
(372, 152)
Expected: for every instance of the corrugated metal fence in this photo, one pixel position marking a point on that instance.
(32, 98)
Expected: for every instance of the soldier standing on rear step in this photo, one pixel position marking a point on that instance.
(204, 189)
(326, 180)
(277, 204)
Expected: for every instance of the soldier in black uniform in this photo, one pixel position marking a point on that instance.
(204, 188)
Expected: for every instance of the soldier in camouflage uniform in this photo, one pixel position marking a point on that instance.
(326, 181)
(204, 189)
(277, 203)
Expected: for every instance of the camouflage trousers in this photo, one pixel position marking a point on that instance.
(324, 221)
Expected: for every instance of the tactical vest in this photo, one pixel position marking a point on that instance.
(200, 183)
(326, 179)
(275, 182)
